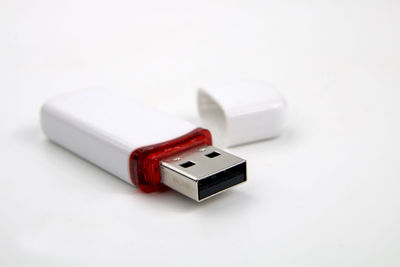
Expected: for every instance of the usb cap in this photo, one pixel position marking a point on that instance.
(202, 172)
(242, 112)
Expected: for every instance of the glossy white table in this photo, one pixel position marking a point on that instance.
(326, 193)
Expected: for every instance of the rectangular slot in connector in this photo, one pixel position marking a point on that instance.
(221, 181)
(187, 164)
(213, 154)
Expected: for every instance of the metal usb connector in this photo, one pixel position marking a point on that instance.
(203, 172)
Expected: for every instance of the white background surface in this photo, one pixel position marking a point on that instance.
(326, 193)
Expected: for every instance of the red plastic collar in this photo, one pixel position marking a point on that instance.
(144, 161)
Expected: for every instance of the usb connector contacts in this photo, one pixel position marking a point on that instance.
(203, 172)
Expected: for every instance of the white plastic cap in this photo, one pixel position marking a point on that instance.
(238, 113)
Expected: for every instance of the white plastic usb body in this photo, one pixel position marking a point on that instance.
(140, 145)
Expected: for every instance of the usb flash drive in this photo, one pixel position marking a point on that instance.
(140, 145)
